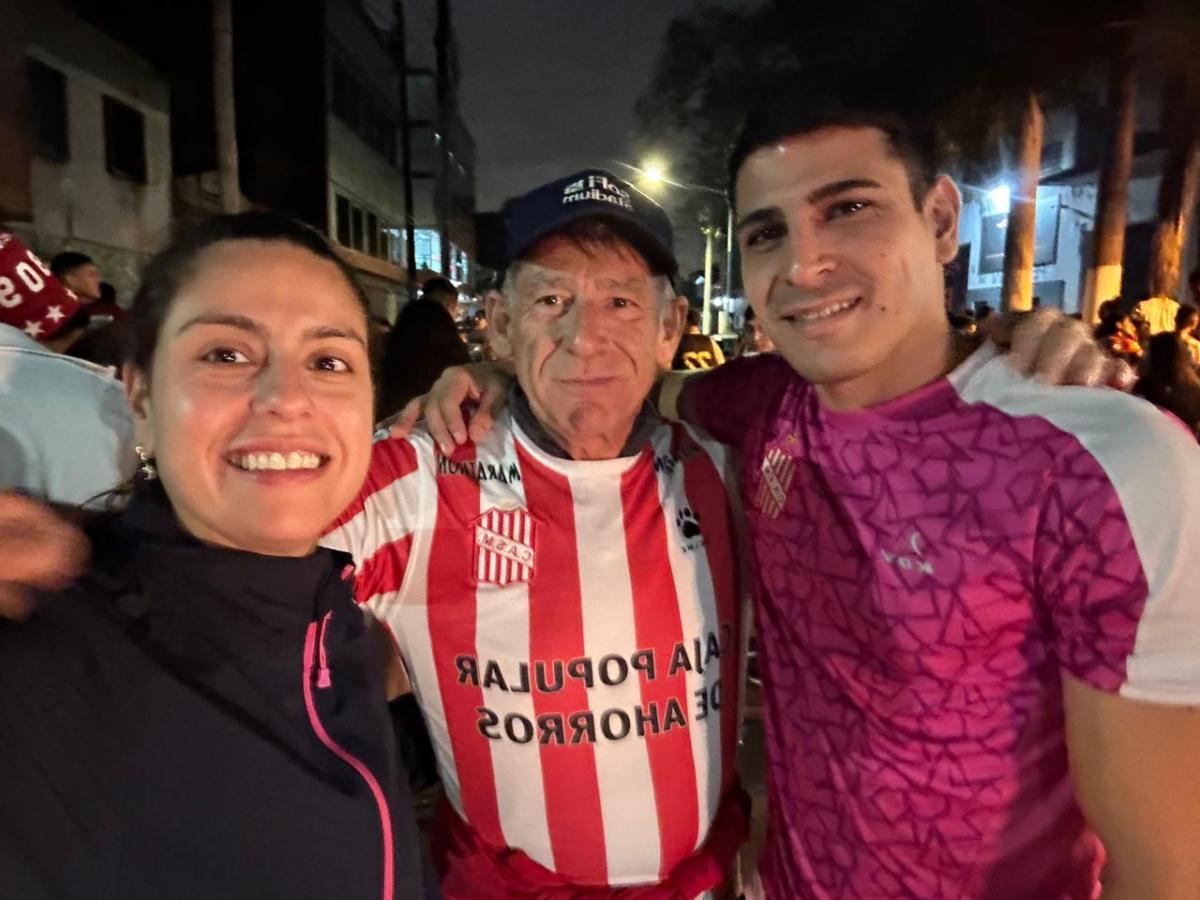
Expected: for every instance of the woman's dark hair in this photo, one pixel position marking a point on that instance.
(1169, 380)
(1185, 314)
(1168, 361)
(439, 289)
(421, 345)
(171, 269)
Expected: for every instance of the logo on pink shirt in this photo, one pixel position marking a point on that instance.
(778, 470)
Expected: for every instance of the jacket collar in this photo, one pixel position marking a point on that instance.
(245, 601)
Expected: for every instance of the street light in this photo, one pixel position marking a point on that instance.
(654, 172)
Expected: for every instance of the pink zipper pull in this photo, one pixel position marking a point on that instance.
(324, 678)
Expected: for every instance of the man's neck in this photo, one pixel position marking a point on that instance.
(595, 447)
(913, 365)
(629, 442)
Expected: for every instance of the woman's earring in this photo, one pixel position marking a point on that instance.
(149, 473)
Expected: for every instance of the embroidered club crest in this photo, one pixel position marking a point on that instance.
(778, 469)
(504, 546)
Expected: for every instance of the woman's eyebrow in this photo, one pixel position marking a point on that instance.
(321, 332)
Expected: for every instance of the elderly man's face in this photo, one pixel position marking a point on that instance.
(587, 335)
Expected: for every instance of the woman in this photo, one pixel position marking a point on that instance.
(1170, 381)
(203, 715)
(424, 342)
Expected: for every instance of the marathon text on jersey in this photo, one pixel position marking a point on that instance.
(478, 470)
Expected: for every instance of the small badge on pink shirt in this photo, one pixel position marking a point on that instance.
(778, 470)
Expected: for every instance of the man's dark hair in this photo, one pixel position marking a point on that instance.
(68, 261)
(693, 317)
(1186, 313)
(438, 288)
(829, 96)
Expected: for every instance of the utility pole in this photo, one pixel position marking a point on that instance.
(400, 57)
(444, 105)
(226, 113)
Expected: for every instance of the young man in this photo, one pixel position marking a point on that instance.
(976, 596)
(696, 349)
(564, 594)
(79, 273)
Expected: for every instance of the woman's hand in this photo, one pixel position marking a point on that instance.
(39, 551)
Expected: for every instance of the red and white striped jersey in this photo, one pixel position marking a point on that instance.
(571, 629)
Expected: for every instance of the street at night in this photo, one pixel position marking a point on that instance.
(563, 450)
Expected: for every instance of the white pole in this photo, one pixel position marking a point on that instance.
(706, 315)
(729, 250)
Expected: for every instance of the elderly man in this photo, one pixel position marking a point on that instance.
(564, 594)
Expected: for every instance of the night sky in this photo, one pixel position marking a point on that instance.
(548, 86)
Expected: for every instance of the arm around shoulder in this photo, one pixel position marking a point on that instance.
(727, 399)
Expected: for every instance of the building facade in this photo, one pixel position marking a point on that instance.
(87, 135)
(1073, 148)
(91, 159)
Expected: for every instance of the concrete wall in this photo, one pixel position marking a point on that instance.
(358, 171)
(1076, 210)
(77, 204)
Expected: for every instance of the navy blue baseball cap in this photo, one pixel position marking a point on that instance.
(592, 194)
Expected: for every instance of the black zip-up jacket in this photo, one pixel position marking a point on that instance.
(196, 722)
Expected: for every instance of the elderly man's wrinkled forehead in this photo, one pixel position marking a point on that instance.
(593, 239)
(627, 267)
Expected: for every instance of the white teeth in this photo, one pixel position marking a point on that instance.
(826, 312)
(277, 462)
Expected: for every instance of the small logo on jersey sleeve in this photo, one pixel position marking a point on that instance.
(778, 470)
(505, 541)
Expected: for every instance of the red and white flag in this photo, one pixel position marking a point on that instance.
(31, 298)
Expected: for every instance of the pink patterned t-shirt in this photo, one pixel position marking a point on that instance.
(926, 570)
